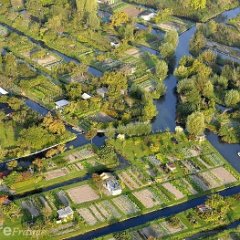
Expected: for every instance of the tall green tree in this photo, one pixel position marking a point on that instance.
(195, 123)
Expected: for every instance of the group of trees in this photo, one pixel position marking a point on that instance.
(195, 9)
(14, 69)
(163, 15)
(58, 23)
(167, 49)
(223, 82)
(201, 85)
(30, 132)
(219, 207)
(54, 125)
(123, 25)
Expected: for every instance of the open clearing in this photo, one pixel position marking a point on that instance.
(56, 173)
(82, 194)
(172, 189)
(223, 175)
(147, 198)
(132, 11)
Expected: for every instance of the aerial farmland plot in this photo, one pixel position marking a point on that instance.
(87, 194)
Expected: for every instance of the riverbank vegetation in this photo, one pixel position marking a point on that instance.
(197, 10)
(223, 33)
(58, 166)
(225, 234)
(23, 132)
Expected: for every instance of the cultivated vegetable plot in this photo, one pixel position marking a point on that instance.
(87, 216)
(125, 204)
(173, 190)
(223, 175)
(113, 211)
(184, 186)
(128, 180)
(80, 155)
(147, 197)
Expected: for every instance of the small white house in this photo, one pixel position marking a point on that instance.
(3, 91)
(201, 138)
(171, 166)
(121, 136)
(65, 214)
(203, 208)
(179, 129)
(115, 44)
(61, 103)
(147, 16)
(86, 96)
(111, 184)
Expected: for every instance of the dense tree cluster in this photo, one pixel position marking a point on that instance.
(196, 9)
(202, 85)
(221, 33)
(27, 132)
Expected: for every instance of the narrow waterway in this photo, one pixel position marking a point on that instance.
(210, 233)
(166, 106)
(142, 219)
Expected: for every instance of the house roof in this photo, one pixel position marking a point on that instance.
(86, 96)
(62, 103)
(106, 175)
(112, 184)
(171, 166)
(147, 13)
(3, 92)
(203, 208)
(65, 212)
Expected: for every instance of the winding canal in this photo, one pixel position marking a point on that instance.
(166, 119)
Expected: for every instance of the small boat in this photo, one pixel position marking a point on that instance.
(238, 154)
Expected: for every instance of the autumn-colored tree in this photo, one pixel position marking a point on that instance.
(119, 18)
(50, 153)
(38, 163)
(3, 199)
